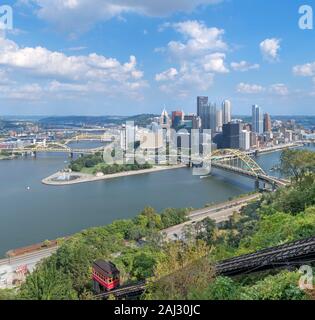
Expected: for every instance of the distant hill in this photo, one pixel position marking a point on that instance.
(79, 121)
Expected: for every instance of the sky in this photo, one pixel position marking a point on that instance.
(125, 57)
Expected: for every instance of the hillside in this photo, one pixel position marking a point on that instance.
(184, 269)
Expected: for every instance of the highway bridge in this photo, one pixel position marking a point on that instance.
(91, 137)
(63, 147)
(290, 255)
(52, 148)
(238, 162)
(231, 160)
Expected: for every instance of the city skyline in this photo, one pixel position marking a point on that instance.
(137, 57)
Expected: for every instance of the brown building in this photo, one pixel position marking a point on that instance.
(267, 122)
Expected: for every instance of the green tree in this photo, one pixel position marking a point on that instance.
(143, 265)
(222, 288)
(180, 268)
(297, 163)
(47, 283)
(8, 294)
(283, 286)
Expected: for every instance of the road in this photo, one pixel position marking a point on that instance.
(9, 266)
(218, 213)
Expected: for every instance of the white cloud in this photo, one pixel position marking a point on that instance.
(188, 78)
(80, 48)
(169, 74)
(80, 15)
(305, 70)
(215, 63)
(278, 89)
(197, 74)
(200, 39)
(200, 55)
(93, 70)
(31, 91)
(270, 49)
(249, 88)
(244, 66)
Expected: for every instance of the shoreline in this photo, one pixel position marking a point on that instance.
(86, 177)
(53, 244)
(280, 147)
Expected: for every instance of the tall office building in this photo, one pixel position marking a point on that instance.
(128, 136)
(208, 115)
(204, 114)
(267, 122)
(213, 117)
(257, 119)
(201, 101)
(219, 121)
(226, 111)
(231, 135)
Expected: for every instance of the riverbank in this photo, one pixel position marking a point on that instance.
(30, 256)
(280, 147)
(11, 157)
(61, 178)
(85, 177)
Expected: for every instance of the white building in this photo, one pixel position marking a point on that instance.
(245, 140)
(128, 136)
(219, 121)
(226, 111)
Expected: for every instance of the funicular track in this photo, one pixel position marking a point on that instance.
(288, 255)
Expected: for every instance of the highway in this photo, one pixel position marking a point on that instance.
(220, 212)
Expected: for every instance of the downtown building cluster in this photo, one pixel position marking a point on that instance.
(248, 133)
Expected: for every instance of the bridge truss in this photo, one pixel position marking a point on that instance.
(232, 158)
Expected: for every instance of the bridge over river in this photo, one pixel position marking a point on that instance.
(238, 162)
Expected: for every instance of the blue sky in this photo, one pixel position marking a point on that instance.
(120, 57)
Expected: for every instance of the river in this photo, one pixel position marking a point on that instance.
(32, 212)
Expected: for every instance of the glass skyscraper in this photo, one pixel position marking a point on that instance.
(208, 116)
(201, 101)
(257, 119)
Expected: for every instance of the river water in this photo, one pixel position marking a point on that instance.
(31, 212)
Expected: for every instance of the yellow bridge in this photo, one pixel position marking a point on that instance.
(54, 148)
(238, 162)
(91, 137)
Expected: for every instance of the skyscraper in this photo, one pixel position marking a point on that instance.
(208, 115)
(231, 135)
(213, 117)
(267, 123)
(201, 101)
(226, 111)
(219, 120)
(257, 119)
